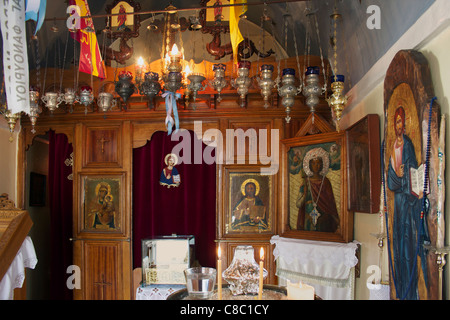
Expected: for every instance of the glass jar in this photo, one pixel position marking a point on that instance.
(242, 274)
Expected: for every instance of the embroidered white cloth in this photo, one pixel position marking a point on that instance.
(157, 291)
(379, 291)
(328, 266)
(14, 277)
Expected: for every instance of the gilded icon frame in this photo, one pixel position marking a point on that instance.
(102, 216)
(333, 222)
(364, 163)
(258, 219)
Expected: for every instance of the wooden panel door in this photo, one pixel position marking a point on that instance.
(105, 270)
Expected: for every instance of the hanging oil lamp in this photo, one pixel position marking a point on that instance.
(288, 91)
(150, 87)
(242, 82)
(52, 100)
(11, 119)
(70, 97)
(106, 101)
(337, 100)
(218, 82)
(35, 109)
(173, 78)
(195, 84)
(266, 83)
(124, 86)
(86, 97)
(312, 89)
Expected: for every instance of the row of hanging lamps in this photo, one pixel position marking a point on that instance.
(338, 100)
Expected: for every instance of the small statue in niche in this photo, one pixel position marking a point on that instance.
(169, 175)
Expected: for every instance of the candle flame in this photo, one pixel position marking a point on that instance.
(187, 71)
(174, 50)
(219, 252)
(140, 61)
(261, 253)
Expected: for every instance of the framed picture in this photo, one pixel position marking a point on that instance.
(38, 188)
(314, 188)
(364, 173)
(122, 22)
(248, 202)
(102, 204)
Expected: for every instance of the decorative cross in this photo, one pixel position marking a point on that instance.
(103, 285)
(102, 141)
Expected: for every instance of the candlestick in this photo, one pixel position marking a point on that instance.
(440, 225)
(219, 274)
(261, 270)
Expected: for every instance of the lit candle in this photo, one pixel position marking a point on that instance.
(139, 68)
(174, 52)
(261, 269)
(219, 274)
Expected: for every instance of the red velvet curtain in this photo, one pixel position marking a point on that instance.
(189, 209)
(60, 198)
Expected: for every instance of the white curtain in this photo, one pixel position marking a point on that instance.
(327, 266)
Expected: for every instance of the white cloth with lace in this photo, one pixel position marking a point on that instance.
(14, 277)
(157, 291)
(327, 266)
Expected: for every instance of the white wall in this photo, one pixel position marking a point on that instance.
(8, 159)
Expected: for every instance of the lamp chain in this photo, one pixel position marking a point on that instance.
(296, 54)
(324, 89)
(335, 17)
(277, 80)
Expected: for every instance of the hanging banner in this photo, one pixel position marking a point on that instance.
(35, 10)
(15, 58)
(235, 33)
(91, 61)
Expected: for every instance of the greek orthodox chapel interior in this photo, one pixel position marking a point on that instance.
(224, 150)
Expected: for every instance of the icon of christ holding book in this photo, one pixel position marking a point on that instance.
(407, 209)
(250, 209)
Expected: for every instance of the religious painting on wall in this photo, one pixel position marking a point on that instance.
(248, 201)
(122, 22)
(411, 137)
(102, 208)
(314, 188)
(364, 179)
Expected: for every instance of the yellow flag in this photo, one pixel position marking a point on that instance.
(235, 34)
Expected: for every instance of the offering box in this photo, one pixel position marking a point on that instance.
(165, 258)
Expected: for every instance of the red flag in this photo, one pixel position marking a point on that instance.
(90, 58)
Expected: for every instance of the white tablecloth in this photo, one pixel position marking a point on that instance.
(14, 277)
(328, 266)
(157, 291)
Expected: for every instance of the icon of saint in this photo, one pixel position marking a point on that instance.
(316, 204)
